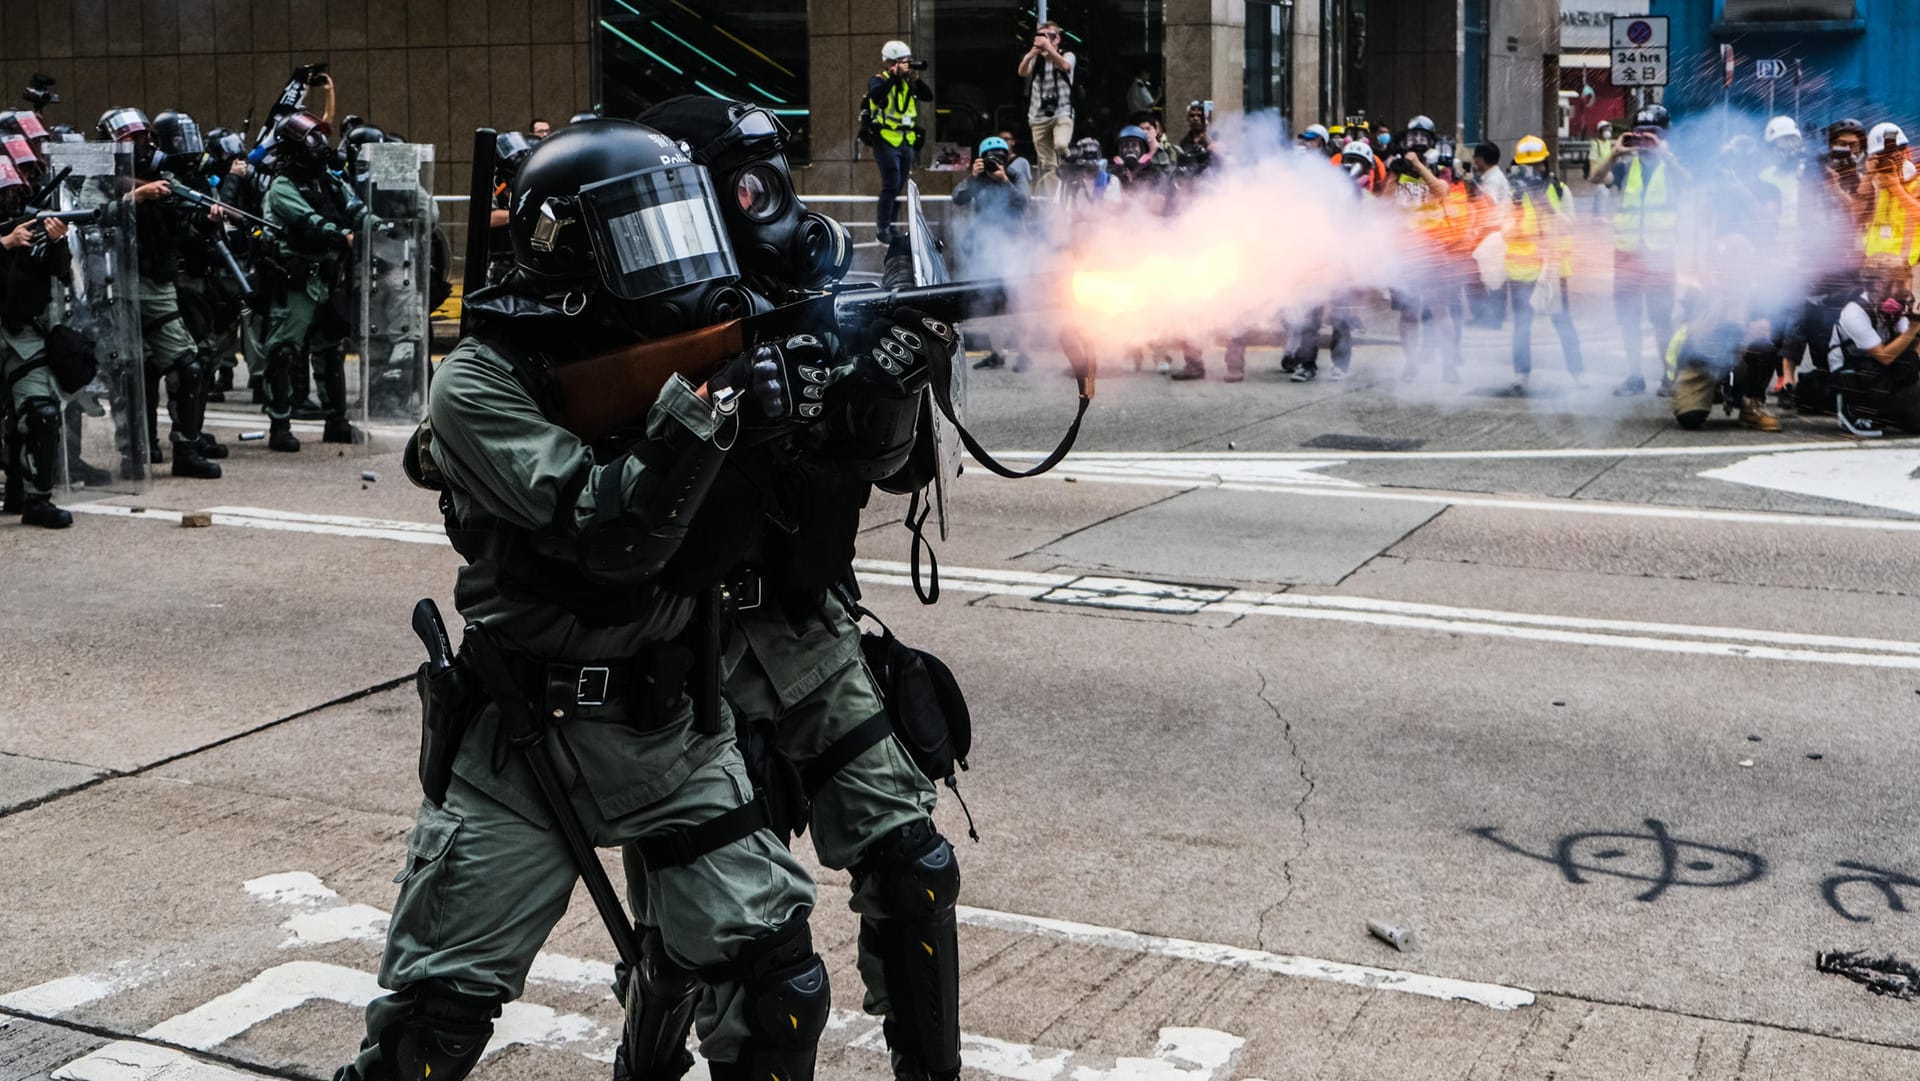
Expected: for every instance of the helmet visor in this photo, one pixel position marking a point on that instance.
(185, 139)
(123, 124)
(30, 125)
(657, 230)
(18, 150)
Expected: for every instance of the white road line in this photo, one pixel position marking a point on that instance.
(1077, 590)
(1491, 995)
(1723, 450)
(226, 418)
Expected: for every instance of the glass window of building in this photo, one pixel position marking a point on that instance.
(1270, 56)
(748, 50)
(975, 46)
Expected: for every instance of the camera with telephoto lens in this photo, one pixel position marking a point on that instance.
(1083, 160)
(917, 65)
(39, 92)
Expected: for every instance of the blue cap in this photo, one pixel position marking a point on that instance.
(994, 142)
(1134, 131)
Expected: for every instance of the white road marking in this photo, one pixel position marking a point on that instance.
(1541, 453)
(1166, 597)
(68, 993)
(127, 1060)
(257, 421)
(1874, 478)
(1490, 995)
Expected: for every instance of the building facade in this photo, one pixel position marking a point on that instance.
(435, 70)
(1837, 57)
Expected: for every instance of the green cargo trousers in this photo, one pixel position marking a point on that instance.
(484, 885)
(805, 672)
(299, 325)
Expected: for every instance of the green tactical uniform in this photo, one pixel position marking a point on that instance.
(486, 877)
(804, 673)
(315, 215)
(33, 406)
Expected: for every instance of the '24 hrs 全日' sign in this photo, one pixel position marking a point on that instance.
(1639, 50)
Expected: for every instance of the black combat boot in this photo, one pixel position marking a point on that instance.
(209, 447)
(40, 511)
(81, 471)
(339, 431)
(280, 436)
(189, 462)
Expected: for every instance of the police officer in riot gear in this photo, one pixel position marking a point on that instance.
(32, 255)
(210, 299)
(510, 152)
(564, 544)
(172, 356)
(784, 537)
(317, 215)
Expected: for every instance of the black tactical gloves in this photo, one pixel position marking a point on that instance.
(777, 383)
(907, 343)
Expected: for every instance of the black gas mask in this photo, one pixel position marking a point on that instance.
(774, 235)
(1133, 151)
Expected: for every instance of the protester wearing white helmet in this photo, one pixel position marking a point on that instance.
(1788, 187)
(890, 123)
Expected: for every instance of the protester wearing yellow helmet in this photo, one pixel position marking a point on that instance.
(1539, 228)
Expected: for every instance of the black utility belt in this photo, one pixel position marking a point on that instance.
(649, 684)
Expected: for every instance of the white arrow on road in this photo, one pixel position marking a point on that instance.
(1873, 478)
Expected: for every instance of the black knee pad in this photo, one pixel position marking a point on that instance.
(916, 870)
(659, 998)
(787, 1001)
(440, 1038)
(40, 417)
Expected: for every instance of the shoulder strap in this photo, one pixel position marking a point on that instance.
(943, 397)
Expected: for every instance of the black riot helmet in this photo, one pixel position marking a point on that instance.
(223, 146)
(300, 144)
(130, 126)
(510, 150)
(19, 153)
(616, 210)
(1653, 116)
(177, 136)
(350, 144)
(13, 188)
(743, 147)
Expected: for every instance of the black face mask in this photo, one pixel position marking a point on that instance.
(773, 234)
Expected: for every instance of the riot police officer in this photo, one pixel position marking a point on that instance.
(316, 216)
(782, 531)
(172, 356)
(509, 154)
(210, 298)
(31, 257)
(564, 543)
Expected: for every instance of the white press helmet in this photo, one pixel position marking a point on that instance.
(1781, 127)
(896, 50)
(1885, 136)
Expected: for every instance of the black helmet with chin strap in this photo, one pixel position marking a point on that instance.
(615, 210)
(300, 143)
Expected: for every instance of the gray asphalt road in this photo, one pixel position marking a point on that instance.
(1617, 720)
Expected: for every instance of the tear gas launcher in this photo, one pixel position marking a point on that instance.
(602, 394)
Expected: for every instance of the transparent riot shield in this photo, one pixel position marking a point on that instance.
(108, 424)
(393, 281)
(930, 268)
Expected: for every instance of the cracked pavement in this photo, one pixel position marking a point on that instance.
(1188, 808)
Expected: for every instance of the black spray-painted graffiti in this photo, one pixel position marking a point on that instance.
(1889, 883)
(1663, 861)
(1655, 857)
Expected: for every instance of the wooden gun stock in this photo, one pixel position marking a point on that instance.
(602, 394)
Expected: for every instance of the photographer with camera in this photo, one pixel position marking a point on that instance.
(1443, 222)
(1049, 75)
(1870, 357)
(890, 124)
(1645, 229)
(993, 206)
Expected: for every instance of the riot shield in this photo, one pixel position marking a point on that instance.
(107, 423)
(393, 281)
(930, 268)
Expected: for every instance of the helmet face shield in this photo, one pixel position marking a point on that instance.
(19, 152)
(182, 138)
(121, 125)
(656, 230)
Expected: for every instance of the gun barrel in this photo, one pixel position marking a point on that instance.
(233, 269)
(953, 302)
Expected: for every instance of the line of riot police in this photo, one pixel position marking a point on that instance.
(175, 250)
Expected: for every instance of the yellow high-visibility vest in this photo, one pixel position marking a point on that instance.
(1788, 185)
(1523, 238)
(1890, 232)
(899, 114)
(1645, 219)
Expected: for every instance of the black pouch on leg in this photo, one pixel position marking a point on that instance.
(449, 701)
(924, 703)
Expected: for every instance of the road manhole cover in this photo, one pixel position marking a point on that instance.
(1341, 441)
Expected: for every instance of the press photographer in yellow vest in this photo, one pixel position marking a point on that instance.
(894, 117)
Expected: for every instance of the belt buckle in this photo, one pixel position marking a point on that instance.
(737, 592)
(591, 690)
